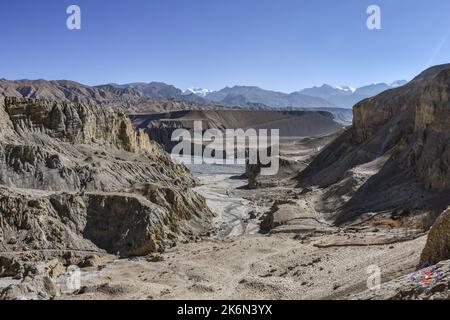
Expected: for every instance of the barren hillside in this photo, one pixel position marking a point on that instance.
(78, 177)
(395, 157)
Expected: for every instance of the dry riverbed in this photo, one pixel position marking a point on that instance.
(241, 263)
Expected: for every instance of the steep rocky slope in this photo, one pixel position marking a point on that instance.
(78, 177)
(394, 159)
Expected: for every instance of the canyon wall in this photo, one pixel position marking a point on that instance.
(78, 177)
(395, 157)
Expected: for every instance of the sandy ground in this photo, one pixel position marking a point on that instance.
(240, 263)
(249, 267)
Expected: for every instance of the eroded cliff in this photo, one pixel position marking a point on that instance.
(394, 159)
(78, 177)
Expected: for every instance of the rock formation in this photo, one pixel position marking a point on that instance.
(78, 178)
(438, 243)
(395, 157)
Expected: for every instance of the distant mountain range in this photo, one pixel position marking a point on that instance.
(316, 97)
(126, 95)
(153, 97)
(160, 91)
(347, 97)
(243, 95)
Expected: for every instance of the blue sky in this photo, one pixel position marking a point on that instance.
(282, 45)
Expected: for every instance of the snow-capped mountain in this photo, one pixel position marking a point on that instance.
(243, 95)
(346, 88)
(201, 92)
(346, 96)
(326, 91)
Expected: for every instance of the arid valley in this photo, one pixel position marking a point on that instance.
(357, 210)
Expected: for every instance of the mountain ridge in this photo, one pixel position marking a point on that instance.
(347, 97)
(130, 94)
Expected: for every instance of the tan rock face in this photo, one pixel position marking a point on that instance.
(422, 109)
(78, 177)
(61, 146)
(438, 243)
(432, 122)
(75, 123)
(396, 155)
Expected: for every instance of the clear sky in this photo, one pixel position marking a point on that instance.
(282, 45)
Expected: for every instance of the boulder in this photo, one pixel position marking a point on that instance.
(91, 261)
(437, 247)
